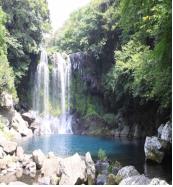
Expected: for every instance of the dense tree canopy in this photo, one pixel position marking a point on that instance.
(26, 22)
(6, 72)
(137, 34)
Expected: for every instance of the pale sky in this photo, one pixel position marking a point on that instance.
(61, 9)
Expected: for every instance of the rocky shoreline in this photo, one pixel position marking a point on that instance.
(53, 170)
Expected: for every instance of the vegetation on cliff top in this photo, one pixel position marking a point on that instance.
(137, 34)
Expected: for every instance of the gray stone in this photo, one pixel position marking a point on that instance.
(28, 116)
(159, 130)
(9, 147)
(127, 171)
(102, 167)
(90, 169)
(51, 166)
(2, 153)
(152, 149)
(6, 101)
(20, 153)
(73, 170)
(167, 132)
(20, 125)
(135, 180)
(38, 157)
(156, 181)
(30, 169)
(101, 179)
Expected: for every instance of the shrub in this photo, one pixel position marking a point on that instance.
(102, 154)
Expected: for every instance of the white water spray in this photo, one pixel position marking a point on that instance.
(51, 94)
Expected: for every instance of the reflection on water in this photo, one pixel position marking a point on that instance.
(126, 151)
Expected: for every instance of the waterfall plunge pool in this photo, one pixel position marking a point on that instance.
(127, 152)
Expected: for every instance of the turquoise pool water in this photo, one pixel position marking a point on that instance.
(126, 151)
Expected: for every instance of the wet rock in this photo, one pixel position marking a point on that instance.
(38, 157)
(20, 153)
(156, 181)
(30, 169)
(152, 149)
(101, 179)
(90, 169)
(127, 171)
(19, 172)
(167, 132)
(135, 180)
(51, 166)
(2, 164)
(9, 147)
(159, 130)
(73, 170)
(35, 127)
(2, 153)
(116, 167)
(20, 125)
(6, 101)
(102, 167)
(28, 116)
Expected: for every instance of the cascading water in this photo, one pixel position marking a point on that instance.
(41, 87)
(61, 91)
(51, 98)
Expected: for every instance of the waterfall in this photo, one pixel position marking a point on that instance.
(51, 98)
(41, 87)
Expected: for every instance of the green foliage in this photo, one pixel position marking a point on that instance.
(109, 119)
(102, 154)
(86, 29)
(26, 22)
(143, 67)
(6, 72)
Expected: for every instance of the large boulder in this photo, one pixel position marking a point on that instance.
(9, 147)
(152, 149)
(28, 116)
(127, 171)
(20, 125)
(90, 169)
(6, 101)
(135, 180)
(38, 157)
(20, 153)
(156, 181)
(51, 166)
(30, 169)
(166, 133)
(73, 170)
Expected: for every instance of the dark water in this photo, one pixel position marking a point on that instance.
(125, 151)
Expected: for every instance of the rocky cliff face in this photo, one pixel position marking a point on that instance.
(135, 118)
